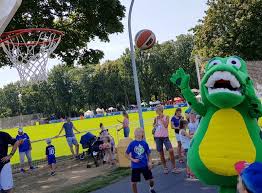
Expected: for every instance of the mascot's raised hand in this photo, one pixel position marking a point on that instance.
(181, 79)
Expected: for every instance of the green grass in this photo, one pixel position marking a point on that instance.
(51, 130)
(100, 181)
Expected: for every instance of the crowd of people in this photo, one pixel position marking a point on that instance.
(184, 129)
(138, 151)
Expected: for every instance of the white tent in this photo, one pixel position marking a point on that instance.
(112, 109)
(100, 111)
(154, 103)
(89, 113)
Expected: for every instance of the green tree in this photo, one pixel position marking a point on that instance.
(156, 65)
(230, 27)
(10, 100)
(62, 86)
(80, 20)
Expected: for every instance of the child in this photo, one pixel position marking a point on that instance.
(103, 131)
(175, 125)
(193, 122)
(113, 148)
(185, 141)
(107, 147)
(250, 177)
(50, 156)
(138, 153)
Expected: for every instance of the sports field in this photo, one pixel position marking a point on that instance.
(51, 130)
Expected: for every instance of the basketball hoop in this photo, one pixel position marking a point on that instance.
(29, 50)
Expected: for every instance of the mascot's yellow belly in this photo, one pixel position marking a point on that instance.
(226, 142)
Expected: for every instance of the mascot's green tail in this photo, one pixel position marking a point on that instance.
(224, 189)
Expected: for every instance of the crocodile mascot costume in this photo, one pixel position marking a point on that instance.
(228, 131)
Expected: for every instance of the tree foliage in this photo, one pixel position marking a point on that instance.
(231, 27)
(73, 90)
(80, 20)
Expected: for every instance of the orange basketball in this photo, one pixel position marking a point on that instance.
(145, 39)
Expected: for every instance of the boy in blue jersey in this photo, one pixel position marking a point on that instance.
(50, 156)
(138, 153)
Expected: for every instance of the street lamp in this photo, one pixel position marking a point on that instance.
(133, 60)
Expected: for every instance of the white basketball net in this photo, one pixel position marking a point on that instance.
(30, 55)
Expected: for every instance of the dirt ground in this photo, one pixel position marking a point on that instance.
(69, 174)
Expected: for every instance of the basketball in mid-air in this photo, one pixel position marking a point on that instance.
(145, 39)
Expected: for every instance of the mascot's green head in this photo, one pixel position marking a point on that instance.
(224, 81)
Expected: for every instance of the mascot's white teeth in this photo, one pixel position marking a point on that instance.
(223, 81)
(217, 90)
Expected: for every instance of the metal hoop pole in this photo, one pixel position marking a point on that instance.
(197, 71)
(132, 52)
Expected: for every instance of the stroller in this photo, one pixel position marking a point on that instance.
(92, 143)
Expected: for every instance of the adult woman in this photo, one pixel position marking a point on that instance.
(175, 125)
(161, 123)
(125, 124)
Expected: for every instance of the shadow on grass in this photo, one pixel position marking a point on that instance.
(100, 181)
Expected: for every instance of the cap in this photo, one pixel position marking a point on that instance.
(251, 175)
(48, 140)
(20, 130)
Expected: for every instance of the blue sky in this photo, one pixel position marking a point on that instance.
(166, 18)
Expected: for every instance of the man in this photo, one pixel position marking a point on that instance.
(70, 136)
(24, 149)
(250, 177)
(6, 178)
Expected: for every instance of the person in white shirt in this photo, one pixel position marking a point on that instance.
(193, 123)
(185, 139)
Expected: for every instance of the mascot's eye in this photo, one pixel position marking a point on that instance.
(234, 62)
(214, 63)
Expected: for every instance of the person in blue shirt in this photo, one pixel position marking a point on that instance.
(175, 125)
(50, 156)
(70, 137)
(138, 153)
(24, 149)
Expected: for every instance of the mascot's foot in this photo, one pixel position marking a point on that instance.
(224, 189)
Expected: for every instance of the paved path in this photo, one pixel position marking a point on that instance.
(170, 183)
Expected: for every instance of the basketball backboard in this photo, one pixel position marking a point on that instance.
(8, 9)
